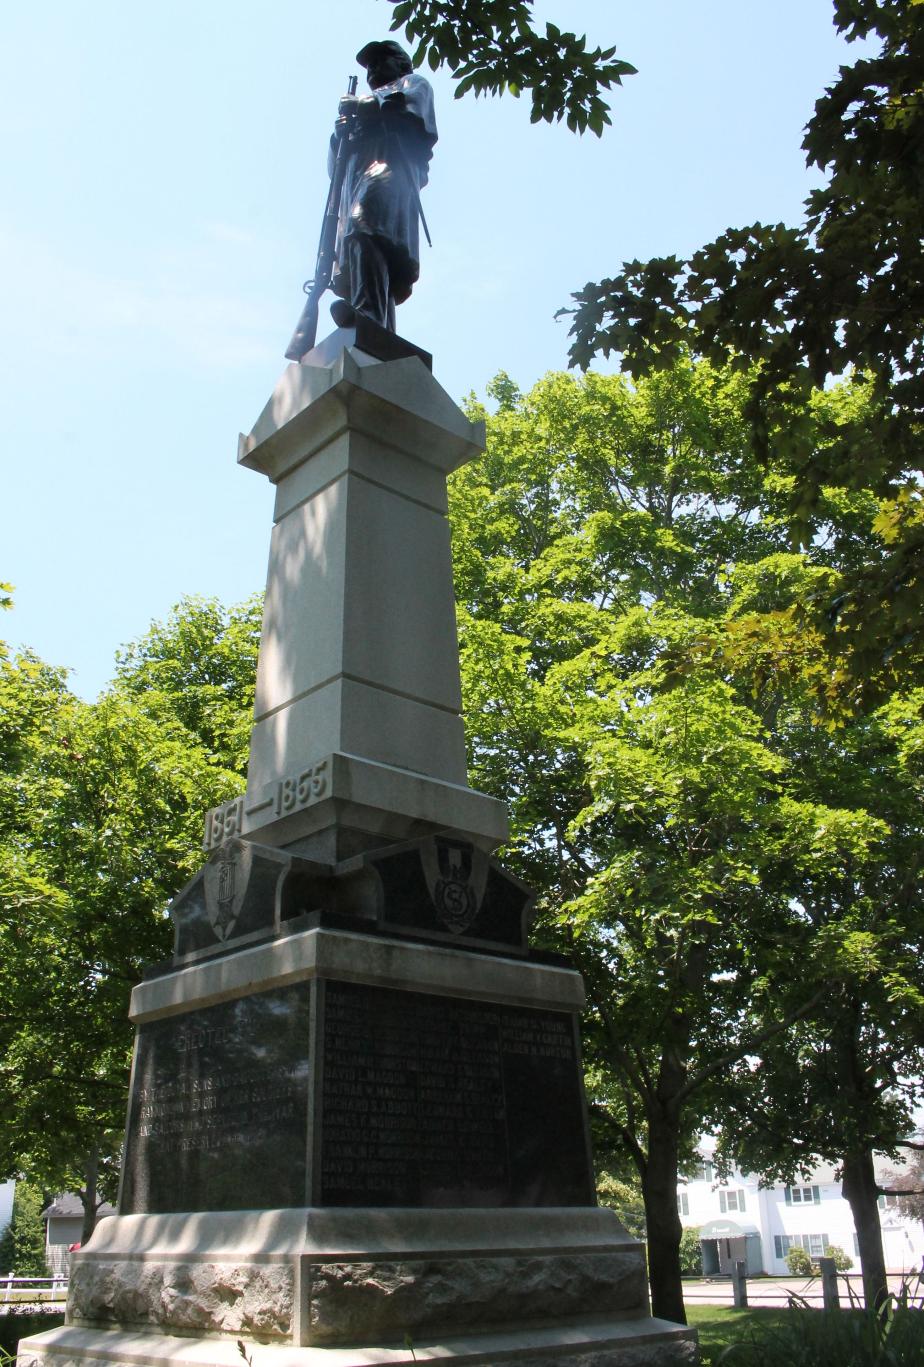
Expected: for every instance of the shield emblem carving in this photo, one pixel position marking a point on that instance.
(456, 874)
(227, 874)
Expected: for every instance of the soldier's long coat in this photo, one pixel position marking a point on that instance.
(387, 158)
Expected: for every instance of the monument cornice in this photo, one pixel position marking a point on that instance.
(357, 958)
(398, 402)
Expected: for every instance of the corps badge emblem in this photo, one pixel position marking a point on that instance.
(456, 874)
(227, 874)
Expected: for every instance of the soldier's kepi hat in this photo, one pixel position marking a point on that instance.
(373, 52)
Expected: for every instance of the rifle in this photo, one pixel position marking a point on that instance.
(306, 328)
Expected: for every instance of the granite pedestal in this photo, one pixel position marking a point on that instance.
(358, 739)
(356, 1130)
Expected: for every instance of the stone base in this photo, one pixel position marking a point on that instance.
(329, 1277)
(350, 1288)
(598, 1342)
(559, 1287)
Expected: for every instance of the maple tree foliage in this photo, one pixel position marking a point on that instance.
(492, 46)
(796, 306)
(101, 808)
(843, 290)
(722, 866)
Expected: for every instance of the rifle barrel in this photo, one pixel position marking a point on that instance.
(305, 333)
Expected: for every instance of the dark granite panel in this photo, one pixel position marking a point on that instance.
(445, 888)
(218, 1110)
(437, 1101)
(232, 896)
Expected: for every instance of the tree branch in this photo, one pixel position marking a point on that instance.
(750, 1046)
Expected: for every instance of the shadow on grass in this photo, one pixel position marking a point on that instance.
(16, 1327)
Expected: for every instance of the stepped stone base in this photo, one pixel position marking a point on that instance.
(590, 1343)
(326, 1276)
(353, 1286)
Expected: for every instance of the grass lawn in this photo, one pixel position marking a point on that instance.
(720, 1325)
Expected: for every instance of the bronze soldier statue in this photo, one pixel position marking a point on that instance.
(379, 154)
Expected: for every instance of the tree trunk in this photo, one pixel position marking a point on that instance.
(861, 1192)
(88, 1196)
(659, 1187)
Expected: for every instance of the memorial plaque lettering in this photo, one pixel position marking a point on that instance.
(437, 1101)
(218, 1111)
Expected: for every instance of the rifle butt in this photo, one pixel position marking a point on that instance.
(306, 331)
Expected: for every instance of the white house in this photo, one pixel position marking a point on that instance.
(737, 1219)
(63, 1226)
(7, 1192)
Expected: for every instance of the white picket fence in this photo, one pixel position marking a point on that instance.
(22, 1295)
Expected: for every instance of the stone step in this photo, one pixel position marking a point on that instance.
(603, 1342)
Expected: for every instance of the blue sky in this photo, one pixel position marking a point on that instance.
(164, 182)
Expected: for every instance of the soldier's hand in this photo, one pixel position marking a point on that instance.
(347, 106)
(367, 107)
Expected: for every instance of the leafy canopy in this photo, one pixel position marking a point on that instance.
(101, 809)
(626, 590)
(492, 46)
(796, 306)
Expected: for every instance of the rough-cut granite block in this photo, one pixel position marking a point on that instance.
(352, 1302)
(184, 1298)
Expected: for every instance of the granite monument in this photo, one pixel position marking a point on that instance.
(356, 1128)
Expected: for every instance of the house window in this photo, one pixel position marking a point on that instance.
(815, 1245)
(683, 1203)
(886, 1201)
(802, 1196)
(703, 1172)
(731, 1200)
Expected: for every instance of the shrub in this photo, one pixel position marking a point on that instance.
(691, 1254)
(801, 1265)
(799, 1262)
(842, 1262)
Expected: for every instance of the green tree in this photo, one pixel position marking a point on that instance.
(844, 291)
(492, 46)
(797, 306)
(22, 1245)
(100, 821)
(595, 548)
(199, 668)
(844, 1085)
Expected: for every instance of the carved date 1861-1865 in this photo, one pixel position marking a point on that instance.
(289, 794)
